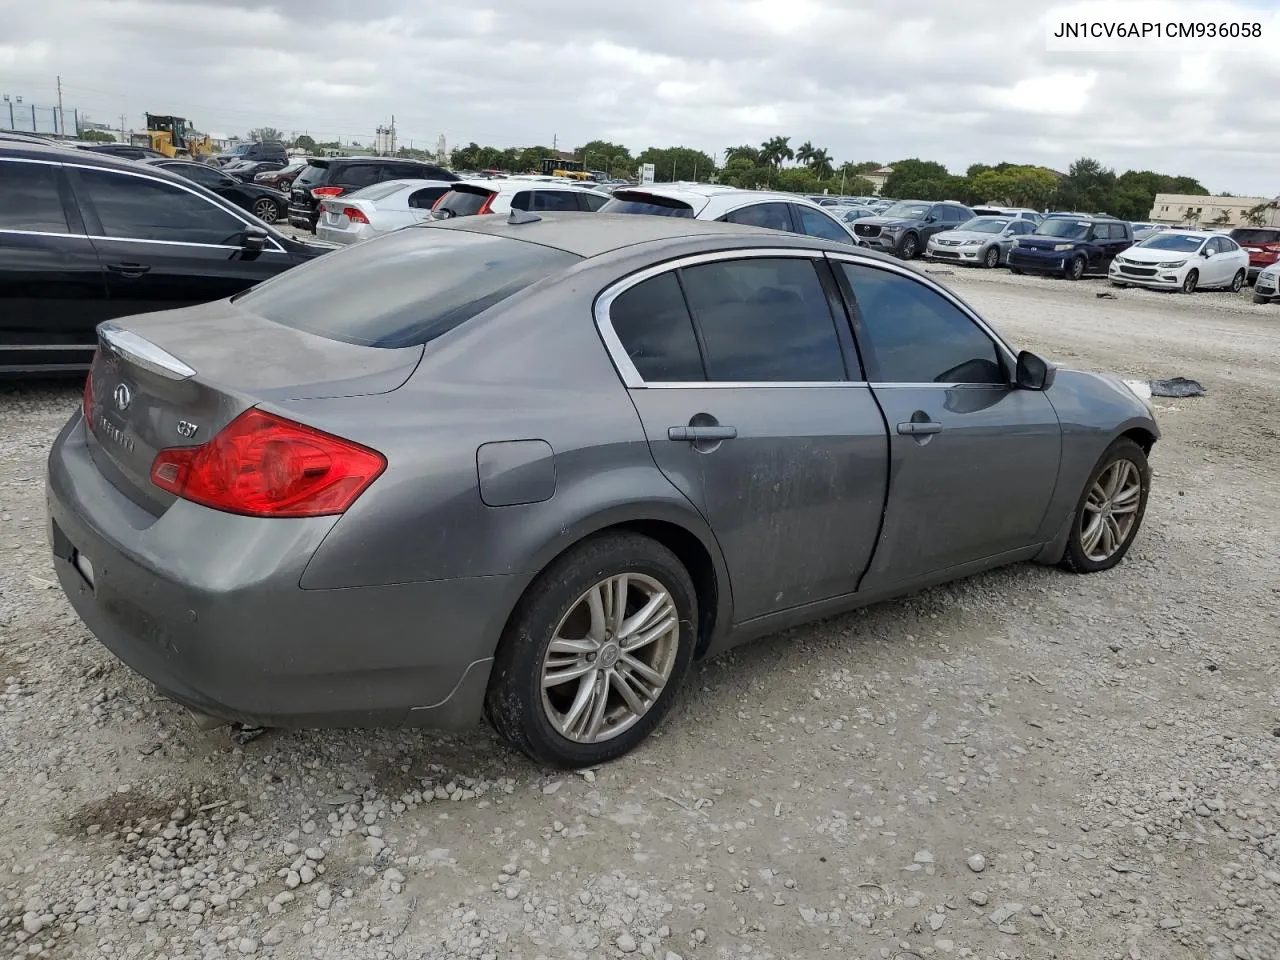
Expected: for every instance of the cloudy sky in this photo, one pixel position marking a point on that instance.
(957, 82)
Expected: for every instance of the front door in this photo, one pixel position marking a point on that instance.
(743, 381)
(165, 246)
(973, 461)
(52, 292)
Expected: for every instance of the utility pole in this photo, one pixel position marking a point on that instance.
(62, 120)
(553, 143)
(123, 138)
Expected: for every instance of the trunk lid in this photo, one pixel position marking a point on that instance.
(177, 377)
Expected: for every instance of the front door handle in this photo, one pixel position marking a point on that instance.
(128, 269)
(702, 434)
(919, 428)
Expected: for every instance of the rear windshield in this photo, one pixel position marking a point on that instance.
(377, 191)
(626, 201)
(1255, 236)
(462, 202)
(312, 174)
(404, 289)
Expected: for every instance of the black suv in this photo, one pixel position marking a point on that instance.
(1071, 246)
(86, 237)
(328, 177)
(904, 228)
(258, 150)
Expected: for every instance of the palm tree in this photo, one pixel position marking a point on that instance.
(804, 153)
(775, 150)
(819, 162)
(743, 152)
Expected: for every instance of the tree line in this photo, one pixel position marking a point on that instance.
(774, 164)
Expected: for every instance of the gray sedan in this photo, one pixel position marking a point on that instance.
(982, 241)
(531, 468)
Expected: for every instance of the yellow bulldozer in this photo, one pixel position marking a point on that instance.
(173, 137)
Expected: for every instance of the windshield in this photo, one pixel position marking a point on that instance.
(907, 211)
(428, 281)
(1180, 242)
(984, 225)
(1067, 229)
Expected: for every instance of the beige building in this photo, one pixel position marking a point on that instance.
(1208, 211)
(878, 177)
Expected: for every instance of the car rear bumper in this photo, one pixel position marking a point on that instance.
(302, 214)
(226, 629)
(343, 235)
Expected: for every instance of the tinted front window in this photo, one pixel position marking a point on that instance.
(29, 199)
(910, 334)
(408, 288)
(1064, 229)
(764, 320)
(772, 216)
(647, 204)
(816, 224)
(592, 202)
(144, 209)
(654, 326)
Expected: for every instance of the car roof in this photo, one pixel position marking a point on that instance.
(594, 234)
(512, 184)
(702, 196)
(85, 158)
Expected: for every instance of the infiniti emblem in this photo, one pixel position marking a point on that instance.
(123, 396)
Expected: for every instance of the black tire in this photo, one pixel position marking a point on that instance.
(266, 209)
(1189, 282)
(1016, 271)
(909, 247)
(1075, 559)
(513, 701)
(991, 258)
(1075, 269)
(1237, 282)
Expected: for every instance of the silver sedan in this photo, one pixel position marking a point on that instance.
(982, 241)
(377, 209)
(532, 467)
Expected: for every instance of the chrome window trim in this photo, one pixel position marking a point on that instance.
(142, 174)
(144, 353)
(42, 233)
(618, 353)
(946, 294)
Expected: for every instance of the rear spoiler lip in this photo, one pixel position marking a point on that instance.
(142, 352)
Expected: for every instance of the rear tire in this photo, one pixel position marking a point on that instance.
(1237, 282)
(1116, 492)
(1190, 281)
(266, 209)
(571, 602)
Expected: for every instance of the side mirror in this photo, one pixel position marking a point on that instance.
(253, 241)
(1033, 373)
(1206, 253)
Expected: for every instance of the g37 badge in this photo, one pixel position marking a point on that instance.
(187, 429)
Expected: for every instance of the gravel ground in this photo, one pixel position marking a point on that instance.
(1027, 764)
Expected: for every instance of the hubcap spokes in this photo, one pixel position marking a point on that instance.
(610, 658)
(1110, 510)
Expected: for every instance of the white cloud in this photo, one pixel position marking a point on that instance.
(959, 83)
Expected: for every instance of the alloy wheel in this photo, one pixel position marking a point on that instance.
(1237, 282)
(265, 209)
(992, 257)
(1110, 510)
(610, 658)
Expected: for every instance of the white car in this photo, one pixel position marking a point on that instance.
(378, 209)
(757, 208)
(1013, 213)
(466, 198)
(1186, 260)
(1266, 288)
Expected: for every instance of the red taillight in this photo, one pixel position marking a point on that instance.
(488, 202)
(262, 465)
(322, 193)
(354, 215)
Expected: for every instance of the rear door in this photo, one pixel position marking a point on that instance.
(973, 460)
(164, 245)
(755, 409)
(52, 290)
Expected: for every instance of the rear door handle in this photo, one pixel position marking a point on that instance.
(917, 428)
(128, 269)
(697, 434)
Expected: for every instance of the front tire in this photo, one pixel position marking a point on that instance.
(1016, 271)
(909, 247)
(1190, 280)
(1075, 269)
(595, 651)
(1237, 282)
(1110, 510)
(991, 259)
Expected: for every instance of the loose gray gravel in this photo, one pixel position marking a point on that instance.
(1023, 765)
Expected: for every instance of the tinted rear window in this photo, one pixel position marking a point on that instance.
(460, 202)
(377, 191)
(647, 203)
(312, 174)
(403, 289)
(1256, 236)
